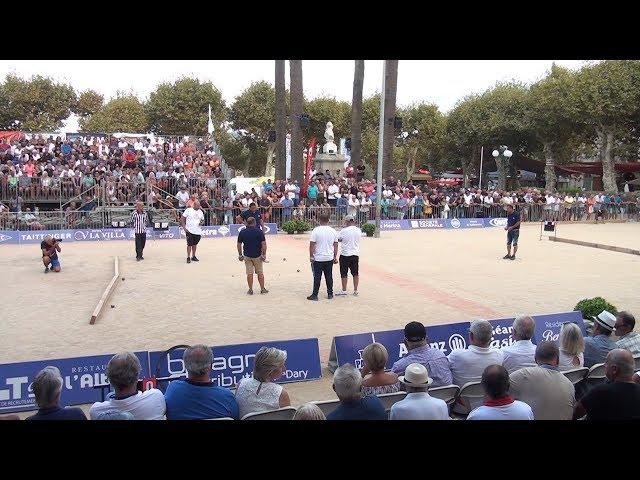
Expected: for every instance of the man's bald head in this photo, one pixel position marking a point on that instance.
(547, 353)
(251, 221)
(619, 365)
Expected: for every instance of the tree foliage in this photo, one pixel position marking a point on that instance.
(121, 114)
(328, 109)
(89, 102)
(182, 107)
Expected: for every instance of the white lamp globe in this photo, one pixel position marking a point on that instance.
(508, 153)
(495, 153)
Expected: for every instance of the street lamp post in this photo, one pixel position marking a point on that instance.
(506, 153)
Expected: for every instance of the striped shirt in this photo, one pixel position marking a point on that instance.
(139, 221)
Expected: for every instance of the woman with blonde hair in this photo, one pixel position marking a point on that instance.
(378, 381)
(571, 347)
(260, 393)
(309, 411)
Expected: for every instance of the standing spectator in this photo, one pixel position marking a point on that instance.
(468, 365)
(332, 192)
(544, 388)
(254, 253)
(323, 253)
(47, 388)
(197, 397)
(376, 380)
(628, 339)
(498, 405)
(183, 197)
(571, 347)
(309, 411)
(419, 351)
(418, 404)
(287, 204)
(347, 383)
(260, 393)
(599, 344)
(123, 371)
(349, 238)
(619, 398)
(521, 353)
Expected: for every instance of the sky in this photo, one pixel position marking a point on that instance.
(442, 82)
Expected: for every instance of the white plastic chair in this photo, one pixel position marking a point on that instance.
(576, 374)
(448, 393)
(284, 413)
(388, 399)
(596, 374)
(471, 395)
(636, 359)
(327, 406)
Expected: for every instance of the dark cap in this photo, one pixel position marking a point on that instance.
(415, 332)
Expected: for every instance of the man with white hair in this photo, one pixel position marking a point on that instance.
(347, 383)
(47, 388)
(522, 352)
(599, 344)
(418, 404)
(123, 371)
(197, 397)
(619, 398)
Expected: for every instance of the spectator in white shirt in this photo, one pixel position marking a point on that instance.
(418, 404)
(468, 365)
(571, 347)
(498, 405)
(123, 371)
(522, 352)
(182, 197)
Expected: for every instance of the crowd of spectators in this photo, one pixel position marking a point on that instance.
(521, 382)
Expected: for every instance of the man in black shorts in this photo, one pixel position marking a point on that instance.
(513, 232)
(50, 248)
(191, 220)
(349, 238)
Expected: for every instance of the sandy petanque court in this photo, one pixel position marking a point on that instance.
(433, 276)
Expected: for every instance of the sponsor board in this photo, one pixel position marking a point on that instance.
(348, 348)
(455, 223)
(79, 376)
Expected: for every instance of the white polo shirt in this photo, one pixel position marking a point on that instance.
(182, 198)
(194, 217)
(324, 237)
(468, 365)
(519, 355)
(147, 405)
(332, 190)
(419, 406)
(513, 411)
(350, 239)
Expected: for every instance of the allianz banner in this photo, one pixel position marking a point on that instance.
(231, 363)
(348, 348)
(79, 377)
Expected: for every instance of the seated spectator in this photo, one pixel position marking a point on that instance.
(375, 358)
(197, 397)
(521, 353)
(599, 344)
(347, 383)
(123, 371)
(260, 393)
(544, 388)
(47, 388)
(418, 404)
(309, 411)
(498, 405)
(628, 339)
(619, 398)
(571, 347)
(115, 415)
(415, 339)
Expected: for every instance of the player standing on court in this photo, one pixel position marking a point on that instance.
(513, 232)
(349, 237)
(191, 220)
(323, 253)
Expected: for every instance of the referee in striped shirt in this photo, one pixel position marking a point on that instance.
(139, 220)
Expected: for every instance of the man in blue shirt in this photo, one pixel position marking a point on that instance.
(286, 204)
(347, 383)
(599, 344)
(254, 253)
(47, 388)
(197, 397)
(513, 232)
(252, 212)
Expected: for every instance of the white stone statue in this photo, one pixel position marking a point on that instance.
(329, 146)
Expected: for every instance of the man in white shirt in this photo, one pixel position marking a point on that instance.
(468, 365)
(418, 404)
(333, 191)
(191, 220)
(323, 253)
(182, 197)
(498, 405)
(521, 353)
(349, 237)
(123, 371)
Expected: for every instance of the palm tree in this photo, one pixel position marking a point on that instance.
(295, 73)
(281, 121)
(356, 114)
(391, 87)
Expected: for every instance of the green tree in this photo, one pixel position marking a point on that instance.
(39, 104)
(89, 102)
(328, 109)
(121, 114)
(181, 107)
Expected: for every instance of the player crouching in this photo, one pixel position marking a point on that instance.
(50, 247)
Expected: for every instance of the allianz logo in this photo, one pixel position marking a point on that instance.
(455, 223)
(457, 342)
